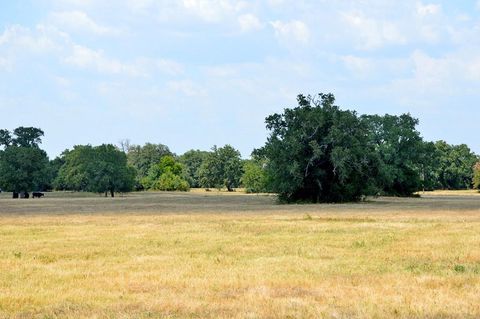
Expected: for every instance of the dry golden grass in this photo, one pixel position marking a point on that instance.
(196, 255)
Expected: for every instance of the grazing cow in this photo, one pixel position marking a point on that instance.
(37, 194)
(24, 195)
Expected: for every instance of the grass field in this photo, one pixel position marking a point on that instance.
(213, 255)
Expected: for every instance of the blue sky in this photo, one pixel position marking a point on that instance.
(194, 73)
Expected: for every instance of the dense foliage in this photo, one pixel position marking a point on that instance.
(317, 152)
(476, 176)
(255, 178)
(192, 160)
(401, 150)
(23, 165)
(143, 157)
(221, 168)
(99, 169)
(453, 166)
(166, 175)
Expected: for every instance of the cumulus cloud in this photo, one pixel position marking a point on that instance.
(79, 21)
(214, 10)
(169, 67)
(357, 65)
(186, 87)
(87, 58)
(372, 33)
(424, 10)
(249, 22)
(292, 32)
(40, 39)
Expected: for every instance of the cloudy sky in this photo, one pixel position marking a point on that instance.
(194, 73)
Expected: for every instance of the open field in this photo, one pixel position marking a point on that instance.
(215, 255)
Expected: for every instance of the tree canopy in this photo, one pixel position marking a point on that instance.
(317, 152)
(221, 168)
(166, 175)
(476, 176)
(192, 161)
(254, 178)
(401, 150)
(144, 157)
(23, 165)
(23, 169)
(99, 169)
(453, 167)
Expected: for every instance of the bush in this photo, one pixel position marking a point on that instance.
(171, 182)
(166, 176)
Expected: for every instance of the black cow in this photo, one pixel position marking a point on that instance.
(37, 194)
(24, 195)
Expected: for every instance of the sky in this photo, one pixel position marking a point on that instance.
(196, 73)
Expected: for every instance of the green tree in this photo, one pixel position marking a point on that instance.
(166, 176)
(22, 169)
(100, 169)
(23, 165)
(319, 153)
(5, 138)
(476, 176)
(143, 157)
(192, 161)
(454, 166)
(401, 150)
(27, 136)
(429, 166)
(221, 168)
(254, 178)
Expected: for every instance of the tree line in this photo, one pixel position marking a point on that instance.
(315, 152)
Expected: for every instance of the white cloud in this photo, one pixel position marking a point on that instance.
(79, 21)
(430, 33)
(222, 71)
(40, 39)
(214, 10)
(168, 66)
(292, 32)
(357, 65)
(372, 33)
(249, 22)
(186, 87)
(86, 58)
(424, 10)
(5, 64)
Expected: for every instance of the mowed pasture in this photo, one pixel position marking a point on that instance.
(217, 255)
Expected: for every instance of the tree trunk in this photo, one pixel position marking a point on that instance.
(106, 193)
(112, 193)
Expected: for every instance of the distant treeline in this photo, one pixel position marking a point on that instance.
(316, 152)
